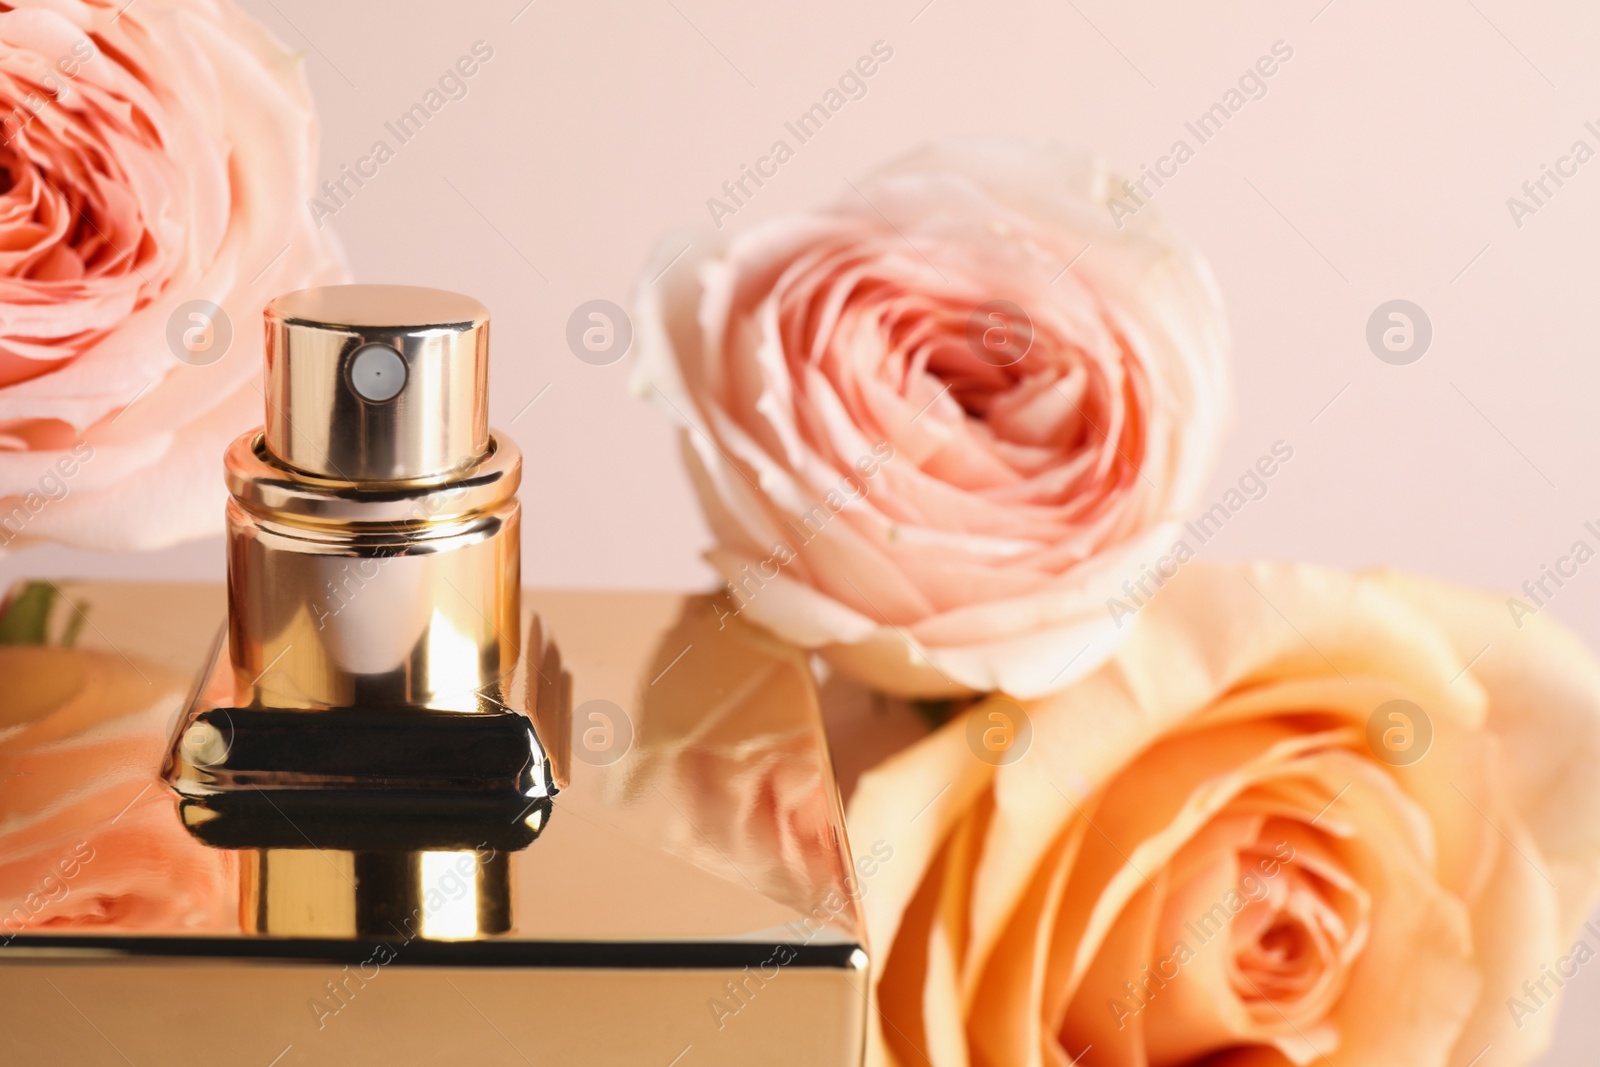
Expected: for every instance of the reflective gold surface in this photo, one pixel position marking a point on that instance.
(378, 1011)
(692, 894)
(440, 895)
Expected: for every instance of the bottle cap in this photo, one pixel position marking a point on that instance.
(377, 383)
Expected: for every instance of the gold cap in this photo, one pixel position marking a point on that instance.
(377, 383)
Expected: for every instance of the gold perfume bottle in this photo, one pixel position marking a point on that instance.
(403, 816)
(376, 456)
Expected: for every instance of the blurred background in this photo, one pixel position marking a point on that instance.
(1378, 163)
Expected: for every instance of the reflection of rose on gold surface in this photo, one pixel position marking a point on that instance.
(88, 834)
(729, 736)
(1220, 849)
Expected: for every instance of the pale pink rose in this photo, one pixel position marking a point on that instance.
(150, 154)
(934, 508)
(1227, 846)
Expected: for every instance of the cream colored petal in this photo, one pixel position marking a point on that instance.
(1543, 686)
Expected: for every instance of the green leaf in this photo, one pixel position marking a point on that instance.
(27, 615)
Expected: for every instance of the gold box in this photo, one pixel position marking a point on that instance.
(690, 898)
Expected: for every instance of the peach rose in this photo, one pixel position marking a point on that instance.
(1231, 845)
(152, 154)
(936, 426)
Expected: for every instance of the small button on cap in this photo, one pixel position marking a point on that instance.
(377, 373)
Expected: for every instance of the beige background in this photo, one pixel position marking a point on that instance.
(1377, 166)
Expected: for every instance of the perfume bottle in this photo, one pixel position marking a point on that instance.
(406, 813)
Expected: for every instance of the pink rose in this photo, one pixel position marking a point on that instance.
(937, 492)
(153, 154)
